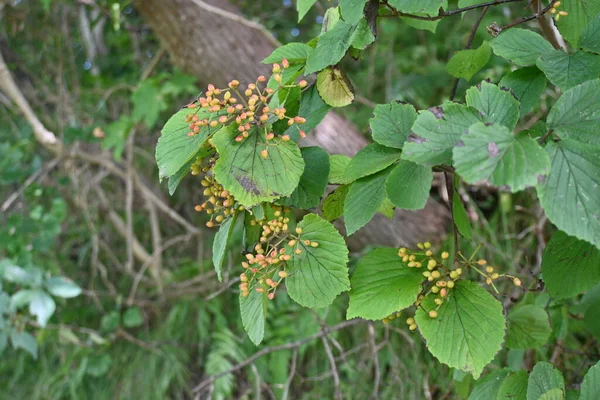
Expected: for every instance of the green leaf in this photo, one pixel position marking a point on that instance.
(387, 208)
(436, 131)
(62, 287)
(466, 63)
(493, 153)
(318, 274)
(420, 24)
(132, 318)
(42, 306)
(331, 17)
(337, 172)
(15, 274)
(576, 114)
(408, 185)
(303, 6)
(175, 148)
(333, 205)
(313, 180)
(567, 70)
(570, 195)
(542, 379)
(363, 35)
(580, 13)
(487, 388)
(175, 180)
(331, 47)
(313, 108)
(528, 327)
(371, 159)
(527, 85)
(469, 328)
(430, 7)
(514, 387)
(363, 200)
(249, 177)
(24, 340)
(589, 36)
(253, 309)
(148, 103)
(569, 266)
(461, 219)
(110, 321)
(497, 106)
(98, 365)
(391, 123)
(334, 87)
(295, 53)
(21, 298)
(590, 387)
(382, 284)
(521, 46)
(220, 243)
(352, 10)
(553, 394)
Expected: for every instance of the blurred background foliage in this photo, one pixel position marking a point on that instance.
(131, 335)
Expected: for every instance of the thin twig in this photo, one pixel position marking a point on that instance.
(37, 175)
(396, 13)
(268, 350)
(333, 366)
(537, 15)
(468, 46)
(291, 374)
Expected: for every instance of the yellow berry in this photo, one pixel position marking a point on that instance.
(495, 275)
(412, 327)
(433, 314)
(450, 284)
(481, 261)
(431, 264)
(517, 282)
(410, 321)
(445, 255)
(427, 245)
(489, 269)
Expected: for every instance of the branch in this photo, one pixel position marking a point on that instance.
(44, 136)
(537, 15)
(468, 46)
(267, 350)
(396, 13)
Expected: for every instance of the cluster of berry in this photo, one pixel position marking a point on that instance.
(265, 269)
(248, 109)
(220, 203)
(490, 275)
(440, 277)
(557, 14)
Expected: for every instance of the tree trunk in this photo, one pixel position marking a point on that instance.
(211, 40)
